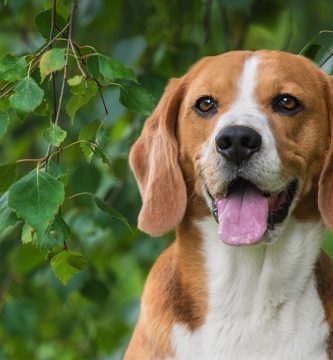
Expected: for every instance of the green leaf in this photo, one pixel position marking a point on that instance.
(75, 80)
(89, 133)
(76, 260)
(54, 135)
(55, 235)
(4, 122)
(4, 103)
(36, 198)
(136, 98)
(43, 21)
(7, 216)
(43, 109)
(66, 264)
(98, 152)
(28, 95)
(82, 94)
(62, 9)
(102, 137)
(109, 210)
(28, 234)
(90, 136)
(12, 68)
(7, 176)
(104, 68)
(57, 171)
(52, 60)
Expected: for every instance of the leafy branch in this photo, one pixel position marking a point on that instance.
(35, 199)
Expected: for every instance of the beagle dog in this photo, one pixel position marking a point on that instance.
(238, 158)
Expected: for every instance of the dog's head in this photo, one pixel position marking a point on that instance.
(251, 132)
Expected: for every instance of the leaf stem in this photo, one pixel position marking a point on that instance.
(59, 150)
(77, 195)
(84, 74)
(31, 160)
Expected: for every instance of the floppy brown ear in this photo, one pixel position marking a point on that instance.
(154, 160)
(325, 196)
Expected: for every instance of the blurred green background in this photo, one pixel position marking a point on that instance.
(92, 317)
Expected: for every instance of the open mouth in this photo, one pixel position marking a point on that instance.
(245, 212)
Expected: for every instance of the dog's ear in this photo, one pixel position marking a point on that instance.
(154, 160)
(325, 196)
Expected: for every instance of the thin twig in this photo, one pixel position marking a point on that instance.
(7, 92)
(45, 47)
(60, 150)
(58, 107)
(325, 61)
(53, 24)
(54, 96)
(86, 56)
(64, 78)
(102, 97)
(84, 74)
(99, 85)
(31, 160)
(4, 87)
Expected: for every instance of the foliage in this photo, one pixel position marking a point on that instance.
(77, 80)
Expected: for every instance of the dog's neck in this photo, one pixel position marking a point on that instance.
(261, 301)
(260, 277)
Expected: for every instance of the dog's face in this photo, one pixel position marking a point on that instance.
(251, 133)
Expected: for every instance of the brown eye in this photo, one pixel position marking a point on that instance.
(205, 106)
(287, 104)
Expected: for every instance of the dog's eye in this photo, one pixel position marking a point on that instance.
(287, 104)
(205, 106)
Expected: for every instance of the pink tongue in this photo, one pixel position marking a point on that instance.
(242, 215)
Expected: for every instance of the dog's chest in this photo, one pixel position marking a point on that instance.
(260, 306)
(299, 334)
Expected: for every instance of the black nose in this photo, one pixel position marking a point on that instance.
(237, 143)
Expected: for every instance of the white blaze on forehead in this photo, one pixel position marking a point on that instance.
(247, 82)
(244, 111)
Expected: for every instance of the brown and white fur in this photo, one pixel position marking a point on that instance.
(207, 300)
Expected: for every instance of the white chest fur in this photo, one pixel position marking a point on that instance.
(263, 303)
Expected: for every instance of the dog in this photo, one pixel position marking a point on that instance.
(238, 158)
